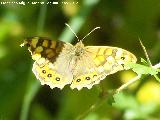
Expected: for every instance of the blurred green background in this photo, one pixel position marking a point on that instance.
(122, 23)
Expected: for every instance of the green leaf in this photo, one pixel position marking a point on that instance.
(125, 101)
(157, 78)
(110, 98)
(144, 61)
(92, 116)
(141, 69)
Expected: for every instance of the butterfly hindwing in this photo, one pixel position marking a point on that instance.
(47, 74)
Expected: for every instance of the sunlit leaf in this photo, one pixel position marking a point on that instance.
(124, 101)
(141, 69)
(144, 62)
(92, 116)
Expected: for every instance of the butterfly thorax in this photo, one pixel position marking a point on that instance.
(79, 49)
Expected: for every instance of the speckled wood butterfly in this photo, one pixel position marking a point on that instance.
(58, 63)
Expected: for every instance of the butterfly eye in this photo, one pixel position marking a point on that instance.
(57, 79)
(122, 58)
(43, 71)
(88, 78)
(49, 75)
(78, 80)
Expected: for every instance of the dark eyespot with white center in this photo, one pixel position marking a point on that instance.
(43, 71)
(122, 58)
(94, 76)
(78, 80)
(49, 75)
(88, 78)
(57, 79)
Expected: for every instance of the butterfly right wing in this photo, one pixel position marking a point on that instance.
(100, 61)
(51, 64)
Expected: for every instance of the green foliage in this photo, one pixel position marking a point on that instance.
(144, 62)
(124, 101)
(142, 69)
(132, 108)
(22, 96)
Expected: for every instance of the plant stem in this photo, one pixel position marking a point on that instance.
(134, 80)
(145, 52)
(129, 83)
(33, 86)
(31, 92)
(41, 19)
(93, 107)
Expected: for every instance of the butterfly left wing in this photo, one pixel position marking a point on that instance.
(100, 61)
(49, 56)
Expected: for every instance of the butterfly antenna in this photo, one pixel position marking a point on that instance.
(90, 32)
(72, 31)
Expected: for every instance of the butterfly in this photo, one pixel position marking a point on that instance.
(57, 63)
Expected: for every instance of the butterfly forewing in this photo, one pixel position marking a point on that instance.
(110, 56)
(41, 47)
